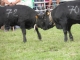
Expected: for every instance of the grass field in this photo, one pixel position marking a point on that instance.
(52, 46)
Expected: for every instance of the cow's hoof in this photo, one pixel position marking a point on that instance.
(65, 39)
(40, 39)
(25, 41)
(71, 40)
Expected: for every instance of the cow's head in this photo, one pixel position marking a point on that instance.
(43, 21)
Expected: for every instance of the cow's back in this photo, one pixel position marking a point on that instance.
(68, 10)
(20, 13)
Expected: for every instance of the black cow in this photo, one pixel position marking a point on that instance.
(26, 18)
(65, 15)
(2, 15)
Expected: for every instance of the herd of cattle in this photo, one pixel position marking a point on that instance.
(64, 16)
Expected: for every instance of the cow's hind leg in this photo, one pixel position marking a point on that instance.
(65, 34)
(70, 34)
(64, 25)
(22, 26)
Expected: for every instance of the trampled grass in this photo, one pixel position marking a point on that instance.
(52, 46)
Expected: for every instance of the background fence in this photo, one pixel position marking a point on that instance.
(42, 5)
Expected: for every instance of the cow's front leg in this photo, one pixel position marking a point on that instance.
(36, 28)
(24, 34)
(7, 27)
(22, 26)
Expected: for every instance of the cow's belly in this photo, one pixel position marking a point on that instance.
(28, 25)
(58, 26)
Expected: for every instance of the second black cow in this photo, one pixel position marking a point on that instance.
(65, 15)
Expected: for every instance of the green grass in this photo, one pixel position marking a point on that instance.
(52, 46)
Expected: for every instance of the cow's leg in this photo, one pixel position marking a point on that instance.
(7, 27)
(65, 34)
(64, 25)
(24, 34)
(39, 35)
(70, 34)
(22, 26)
(36, 28)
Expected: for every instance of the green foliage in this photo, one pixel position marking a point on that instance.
(52, 46)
